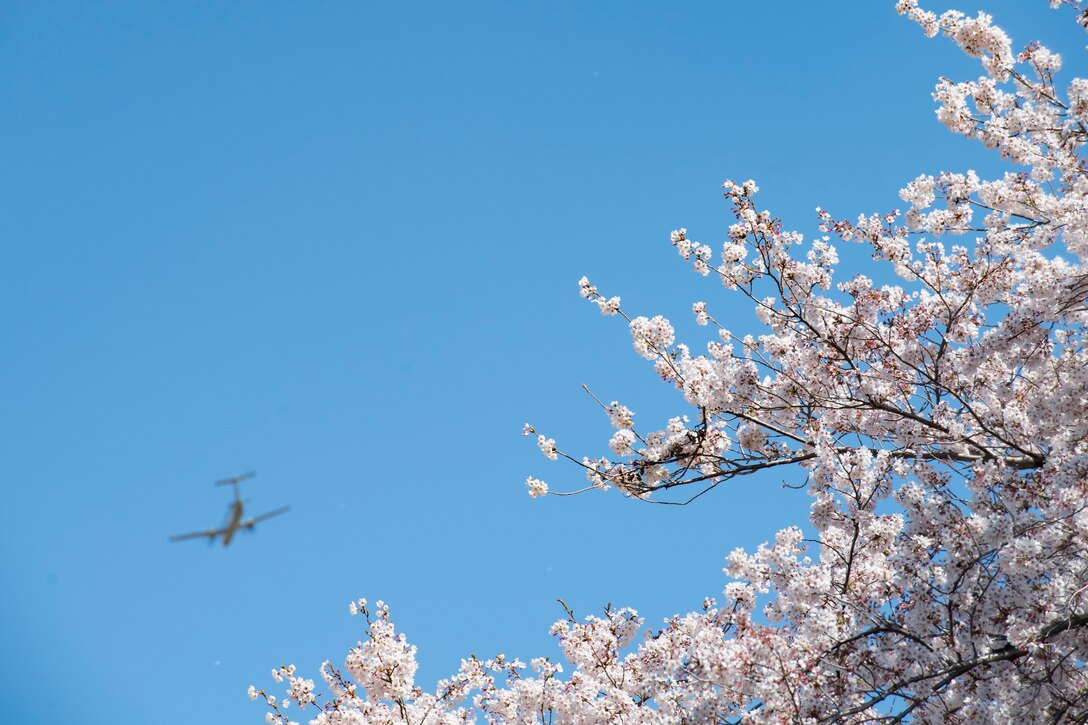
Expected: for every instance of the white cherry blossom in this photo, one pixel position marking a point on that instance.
(940, 426)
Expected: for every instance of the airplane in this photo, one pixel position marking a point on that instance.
(234, 520)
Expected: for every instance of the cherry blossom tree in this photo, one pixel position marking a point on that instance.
(940, 425)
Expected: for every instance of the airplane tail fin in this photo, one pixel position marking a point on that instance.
(235, 479)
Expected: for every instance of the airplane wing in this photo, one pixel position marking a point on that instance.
(249, 522)
(210, 534)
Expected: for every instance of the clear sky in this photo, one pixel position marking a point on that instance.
(338, 243)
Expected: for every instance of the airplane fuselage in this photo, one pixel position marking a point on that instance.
(232, 524)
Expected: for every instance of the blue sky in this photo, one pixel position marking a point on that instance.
(338, 243)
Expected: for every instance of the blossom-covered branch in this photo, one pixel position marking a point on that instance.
(940, 425)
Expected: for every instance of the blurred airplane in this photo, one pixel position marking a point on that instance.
(234, 523)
